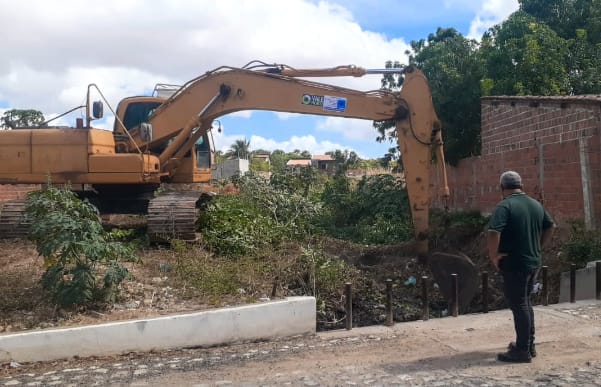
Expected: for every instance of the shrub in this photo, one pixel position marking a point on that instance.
(373, 211)
(582, 245)
(260, 216)
(83, 261)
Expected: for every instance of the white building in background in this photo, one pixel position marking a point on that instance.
(230, 168)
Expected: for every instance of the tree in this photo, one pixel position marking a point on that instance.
(579, 23)
(565, 17)
(524, 57)
(454, 69)
(239, 149)
(22, 118)
(345, 159)
(278, 160)
(219, 157)
(584, 72)
(83, 262)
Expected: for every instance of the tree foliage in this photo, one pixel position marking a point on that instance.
(264, 214)
(22, 118)
(373, 211)
(525, 57)
(453, 67)
(84, 262)
(239, 149)
(566, 17)
(547, 47)
(584, 72)
(578, 22)
(345, 159)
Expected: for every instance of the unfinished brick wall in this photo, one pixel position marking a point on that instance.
(553, 142)
(18, 191)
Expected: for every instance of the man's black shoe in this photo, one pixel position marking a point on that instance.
(515, 356)
(532, 348)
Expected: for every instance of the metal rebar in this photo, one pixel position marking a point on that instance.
(598, 280)
(454, 295)
(348, 291)
(573, 283)
(484, 292)
(389, 319)
(425, 299)
(545, 285)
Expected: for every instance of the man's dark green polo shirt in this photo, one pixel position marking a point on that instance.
(521, 221)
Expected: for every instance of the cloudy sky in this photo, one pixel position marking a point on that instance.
(51, 50)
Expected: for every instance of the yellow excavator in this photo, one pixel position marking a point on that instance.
(158, 140)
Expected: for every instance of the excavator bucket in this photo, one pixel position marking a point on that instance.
(443, 265)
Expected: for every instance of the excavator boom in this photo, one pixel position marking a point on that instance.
(190, 112)
(157, 148)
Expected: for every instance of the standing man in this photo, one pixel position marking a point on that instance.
(519, 226)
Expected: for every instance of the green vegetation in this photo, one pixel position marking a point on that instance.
(83, 262)
(547, 47)
(374, 210)
(269, 234)
(261, 216)
(582, 246)
(20, 118)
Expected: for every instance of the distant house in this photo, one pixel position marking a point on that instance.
(296, 165)
(324, 163)
(229, 168)
(263, 157)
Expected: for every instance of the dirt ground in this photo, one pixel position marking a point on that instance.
(153, 290)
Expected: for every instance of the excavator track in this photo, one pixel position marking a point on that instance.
(172, 215)
(12, 220)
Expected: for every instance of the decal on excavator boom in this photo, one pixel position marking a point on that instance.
(334, 104)
(327, 102)
(314, 100)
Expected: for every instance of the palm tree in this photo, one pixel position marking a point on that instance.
(239, 149)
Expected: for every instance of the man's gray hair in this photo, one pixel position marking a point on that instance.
(510, 180)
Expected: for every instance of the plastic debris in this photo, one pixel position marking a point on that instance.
(411, 281)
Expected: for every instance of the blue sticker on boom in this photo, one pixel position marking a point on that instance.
(334, 104)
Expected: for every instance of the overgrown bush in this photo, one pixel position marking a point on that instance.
(582, 245)
(312, 272)
(373, 211)
(83, 262)
(290, 270)
(261, 216)
(215, 276)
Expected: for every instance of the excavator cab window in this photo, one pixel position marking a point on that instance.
(203, 153)
(137, 113)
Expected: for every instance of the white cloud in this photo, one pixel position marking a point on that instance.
(242, 114)
(491, 12)
(127, 47)
(310, 143)
(349, 128)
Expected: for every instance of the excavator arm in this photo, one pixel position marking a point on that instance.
(187, 116)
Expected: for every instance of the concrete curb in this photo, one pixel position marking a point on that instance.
(290, 317)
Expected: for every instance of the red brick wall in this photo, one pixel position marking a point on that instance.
(17, 191)
(546, 140)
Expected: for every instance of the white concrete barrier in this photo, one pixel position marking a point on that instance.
(289, 317)
(585, 284)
